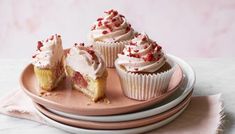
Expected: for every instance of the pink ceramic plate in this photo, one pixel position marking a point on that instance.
(64, 98)
(115, 125)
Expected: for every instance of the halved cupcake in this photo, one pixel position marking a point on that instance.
(48, 62)
(87, 71)
(144, 69)
(109, 34)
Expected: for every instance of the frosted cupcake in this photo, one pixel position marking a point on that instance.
(48, 62)
(87, 71)
(109, 34)
(143, 68)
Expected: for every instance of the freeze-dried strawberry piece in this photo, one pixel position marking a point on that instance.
(91, 52)
(122, 16)
(99, 19)
(104, 32)
(128, 29)
(115, 13)
(39, 45)
(93, 27)
(132, 43)
(150, 57)
(113, 20)
(136, 51)
(99, 23)
(34, 56)
(109, 12)
(144, 38)
(159, 48)
(52, 37)
(82, 44)
(117, 24)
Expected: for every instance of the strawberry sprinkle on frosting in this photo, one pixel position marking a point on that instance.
(49, 52)
(112, 27)
(142, 55)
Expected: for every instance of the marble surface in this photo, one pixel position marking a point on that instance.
(214, 75)
(187, 28)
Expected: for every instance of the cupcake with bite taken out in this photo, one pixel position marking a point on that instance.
(110, 34)
(48, 62)
(87, 71)
(143, 68)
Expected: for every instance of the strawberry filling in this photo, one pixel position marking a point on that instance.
(79, 80)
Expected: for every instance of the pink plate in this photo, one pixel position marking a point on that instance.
(115, 125)
(64, 98)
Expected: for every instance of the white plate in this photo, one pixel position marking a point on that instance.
(175, 99)
(123, 131)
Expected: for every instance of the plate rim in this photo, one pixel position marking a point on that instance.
(142, 129)
(115, 125)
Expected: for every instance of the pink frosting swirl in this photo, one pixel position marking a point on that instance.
(49, 52)
(141, 55)
(112, 27)
(86, 61)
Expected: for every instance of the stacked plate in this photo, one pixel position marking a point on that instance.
(71, 111)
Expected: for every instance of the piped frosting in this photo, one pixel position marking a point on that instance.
(112, 27)
(142, 55)
(85, 61)
(49, 52)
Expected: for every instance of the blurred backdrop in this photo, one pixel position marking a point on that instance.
(186, 28)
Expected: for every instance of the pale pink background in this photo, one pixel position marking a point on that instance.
(186, 28)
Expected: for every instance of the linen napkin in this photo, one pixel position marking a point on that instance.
(203, 115)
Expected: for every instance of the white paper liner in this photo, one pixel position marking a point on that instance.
(144, 86)
(109, 50)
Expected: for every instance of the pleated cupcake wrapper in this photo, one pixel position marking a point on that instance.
(110, 50)
(144, 86)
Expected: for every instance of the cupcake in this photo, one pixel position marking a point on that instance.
(87, 71)
(48, 62)
(109, 34)
(143, 68)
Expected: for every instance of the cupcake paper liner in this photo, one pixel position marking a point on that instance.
(110, 50)
(144, 86)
